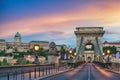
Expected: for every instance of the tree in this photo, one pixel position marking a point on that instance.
(4, 62)
(43, 52)
(28, 62)
(112, 49)
(2, 53)
(0, 63)
(20, 54)
(21, 61)
(62, 52)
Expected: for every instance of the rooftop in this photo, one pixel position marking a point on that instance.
(89, 27)
(40, 41)
(18, 35)
(106, 42)
(2, 39)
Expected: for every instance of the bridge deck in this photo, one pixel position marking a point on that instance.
(89, 71)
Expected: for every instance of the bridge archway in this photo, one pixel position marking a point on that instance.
(89, 52)
(89, 59)
(89, 42)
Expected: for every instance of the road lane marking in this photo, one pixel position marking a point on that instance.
(89, 73)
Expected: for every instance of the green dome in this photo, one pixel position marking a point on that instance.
(18, 35)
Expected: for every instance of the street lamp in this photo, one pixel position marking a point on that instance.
(104, 57)
(98, 57)
(108, 52)
(70, 51)
(94, 57)
(103, 54)
(108, 59)
(36, 49)
(75, 54)
(83, 58)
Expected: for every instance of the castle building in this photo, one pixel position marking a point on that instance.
(18, 46)
(2, 45)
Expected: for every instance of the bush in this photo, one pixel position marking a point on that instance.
(43, 52)
(62, 52)
(4, 62)
(0, 63)
(2, 53)
(21, 61)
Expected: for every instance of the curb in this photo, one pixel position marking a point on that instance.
(42, 77)
(112, 71)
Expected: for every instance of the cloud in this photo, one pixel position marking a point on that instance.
(116, 33)
(49, 36)
(60, 25)
(55, 32)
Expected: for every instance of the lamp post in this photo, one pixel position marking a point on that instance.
(70, 57)
(36, 49)
(83, 58)
(103, 54)
(98, 58)
(108, 58)
(70, 51)
(108, 53)
(103, 57)
(75, 54)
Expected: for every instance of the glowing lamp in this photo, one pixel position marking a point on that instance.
(70, 51)
(103, 54)
(75, 54)
(108, 51)
(36, 47)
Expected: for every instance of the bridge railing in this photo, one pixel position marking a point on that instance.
(28, 72)
(115, 63)
(116, 67)
(59, 75)
(113, 66)
(33, 72)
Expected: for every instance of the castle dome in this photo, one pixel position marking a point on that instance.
(18, 35)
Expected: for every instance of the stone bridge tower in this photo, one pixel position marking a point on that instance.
(86, 39)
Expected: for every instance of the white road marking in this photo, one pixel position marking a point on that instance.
(89, 73)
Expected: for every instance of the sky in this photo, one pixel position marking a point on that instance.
(56, 20)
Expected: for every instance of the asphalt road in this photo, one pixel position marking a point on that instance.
(89, 71)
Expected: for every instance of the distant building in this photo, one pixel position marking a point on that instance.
(42, 44)
(19, 46)
(116, 44)
(2, 45)
(9, 60)
(31, 58)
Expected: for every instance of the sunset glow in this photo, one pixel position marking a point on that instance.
(53, 20)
